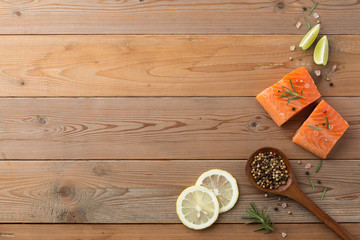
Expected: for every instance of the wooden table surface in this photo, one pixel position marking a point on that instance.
(109, 109)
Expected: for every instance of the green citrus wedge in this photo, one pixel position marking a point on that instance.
(321, 52)
(309, 38)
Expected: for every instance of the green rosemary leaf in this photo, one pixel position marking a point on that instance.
(313, 7)
(327, 123)
(312, 183)
(301, 92)
(259, 217)
(307, 23)
(316, 128)
(292, 86)
(319, 166)
(286, 95)
(291, 93)
(323, 194)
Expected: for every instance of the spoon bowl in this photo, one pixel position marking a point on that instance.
(292, 190)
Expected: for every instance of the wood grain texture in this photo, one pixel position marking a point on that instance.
(164, 231)
(146, 191)
(174, 17)
(156, 128)
(166, 65)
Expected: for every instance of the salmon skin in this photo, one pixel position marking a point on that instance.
(321, 130)
(275, 99)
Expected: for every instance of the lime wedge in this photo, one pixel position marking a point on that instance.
(321, 52)
(309, 38)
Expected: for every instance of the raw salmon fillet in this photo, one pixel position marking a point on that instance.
(278, 108)
(318, 135)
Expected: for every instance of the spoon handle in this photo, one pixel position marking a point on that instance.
(298, 195)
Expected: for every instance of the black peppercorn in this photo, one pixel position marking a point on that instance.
(276, 209)
(307, 173)
(331, 84)
(323, 124)
(293, 109)
(304, 8)
(319, 182)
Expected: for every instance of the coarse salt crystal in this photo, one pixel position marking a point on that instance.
(331, 126)
(317, 72)
(298, 25)
(334, 68)
(315, 15)
(292, 48)
(316, 133)
(307, 166)
(283, 234)
(307, 85)
(284, 205)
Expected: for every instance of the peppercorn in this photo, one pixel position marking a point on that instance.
(293, 109)
(276, 209)
(323, 124)
(289, 212)
(319, 182)
(331, 84)
(269, 170)
(307, 173)
(304, 8)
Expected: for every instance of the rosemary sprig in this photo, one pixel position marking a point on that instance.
(323, 194)
(316, 128)
(319, 166)
(291, 93)
(312, 183)
(327, 123)
(258, 217)
(307, 23)
(313, 7)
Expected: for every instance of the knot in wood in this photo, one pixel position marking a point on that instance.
(74, 216)
(253, 125)
(65, 191)
(279, 5)
(42, 120)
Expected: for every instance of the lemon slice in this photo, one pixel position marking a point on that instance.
(223, 185)
(197, 207)
(309, 38)
(321, 52)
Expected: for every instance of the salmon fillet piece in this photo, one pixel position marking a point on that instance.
(318, 134)
(280, 108)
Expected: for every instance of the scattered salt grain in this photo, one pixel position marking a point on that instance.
(307, 166)
(315, 15)
(317, 72)
(316, 133)
(298, 25)
(333, 69)
(331, 126)
(284, 205)
(306, 85)
(283, 234)
(292, 48)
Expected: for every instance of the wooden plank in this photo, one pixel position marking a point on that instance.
(174, 17)
(146, 191)
(166, 65)
(155, 128)
(166, 231)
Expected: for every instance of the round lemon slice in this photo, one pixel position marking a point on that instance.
(223, 185)
(197, 207)
(310, 37)
(321, 52)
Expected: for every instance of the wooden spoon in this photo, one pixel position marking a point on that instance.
(293, 191)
